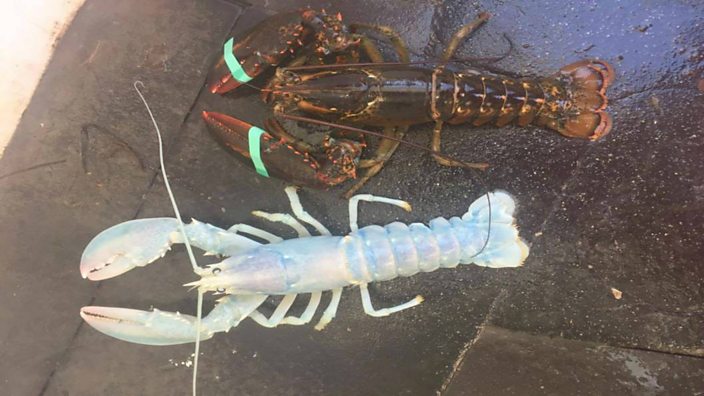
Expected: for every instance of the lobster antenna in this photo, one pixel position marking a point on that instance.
(456, 162)
(191, 257)
(385, 64)
(253, 86)
(465, 165)
(486, 188)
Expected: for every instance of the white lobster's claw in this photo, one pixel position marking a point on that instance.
(127, 245)
(144, 327)
(169, 328)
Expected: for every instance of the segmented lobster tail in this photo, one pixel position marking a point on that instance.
(505, 248)
(572, 101)
(575, 100)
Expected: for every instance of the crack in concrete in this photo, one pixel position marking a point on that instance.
(65, 354)
(31, 168)
(457, 365)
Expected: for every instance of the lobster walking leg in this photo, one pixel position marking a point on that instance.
(354, 206)
(462, 34)
(331, 310)
(297, 208)
(284, 218)
(366, 300)
(391, 35)
(386, 147)
(385, 150)
(253, 231)
(278, 314)
(369, 308)
(456, 40)
(307, 315)
(445, 161)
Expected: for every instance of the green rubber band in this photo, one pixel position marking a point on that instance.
(255, 151)
(233, 64)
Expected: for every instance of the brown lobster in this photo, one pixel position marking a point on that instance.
(390, 95)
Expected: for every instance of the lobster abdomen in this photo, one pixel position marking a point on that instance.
(376, 253)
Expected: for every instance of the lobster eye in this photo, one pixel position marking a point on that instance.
(216, 271)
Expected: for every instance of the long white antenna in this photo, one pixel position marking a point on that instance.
(191, 257)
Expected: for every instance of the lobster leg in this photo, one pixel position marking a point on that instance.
(386, 147)
(278, 314)
(391, 35)
(456, 40)
(284, 218)
(331, 310)
(462, 34)
(354, 206)
(369, 309)
(435, 145)
(366, 300)
(385, 150)
(297, 208)
(253, 231)
(307, 315)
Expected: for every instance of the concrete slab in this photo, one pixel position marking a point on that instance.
(84, 158)
(80, 162)
(629, 216)
(503, 362)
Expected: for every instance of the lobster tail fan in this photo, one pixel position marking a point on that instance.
(575, 100)
(504, 248)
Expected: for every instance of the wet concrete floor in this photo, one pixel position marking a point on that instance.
(624, 212)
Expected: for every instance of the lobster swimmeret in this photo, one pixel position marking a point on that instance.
(571, 102)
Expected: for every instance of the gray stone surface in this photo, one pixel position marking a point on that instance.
(624, 212)
(503, 362)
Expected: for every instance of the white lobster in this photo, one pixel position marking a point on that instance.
(486, 236)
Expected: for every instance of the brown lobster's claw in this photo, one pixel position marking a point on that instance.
(267, 44)
(279, 157)
(220, 80)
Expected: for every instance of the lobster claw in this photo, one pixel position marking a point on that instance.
(280, 157)
(267, 44)
(170, 328)
(144, 327)
(127, 245)
(137, 243)
(227, 76)
(275, 40)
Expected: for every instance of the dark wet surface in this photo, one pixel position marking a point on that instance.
(624, 213)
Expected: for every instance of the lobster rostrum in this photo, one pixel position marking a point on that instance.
(394, 96)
